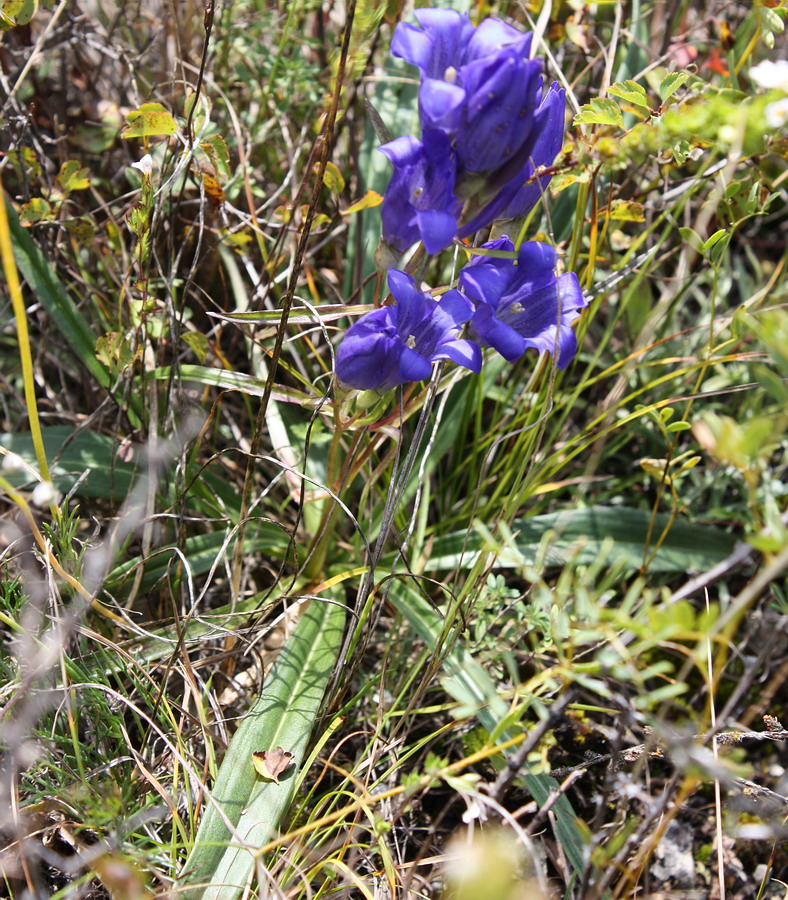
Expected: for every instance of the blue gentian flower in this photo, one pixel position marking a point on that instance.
(448, 40)
(480, 90)
(478, 85)
(419, 203)
(525, 304)
(396, 344)
(522, 192)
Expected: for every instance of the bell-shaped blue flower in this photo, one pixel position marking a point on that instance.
(523, 304)
(478, 85)
(549, 127)
(397, 344)
(521, 193)
(447, 40)
(419, 203)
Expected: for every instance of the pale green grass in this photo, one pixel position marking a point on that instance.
(431, 603)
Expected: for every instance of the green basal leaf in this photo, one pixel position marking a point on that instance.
(244, 809)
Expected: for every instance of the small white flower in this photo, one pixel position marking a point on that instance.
(777, 113)
(45, 494)
(771, 75)
(145, 165)
(473, 811)
(12, 463)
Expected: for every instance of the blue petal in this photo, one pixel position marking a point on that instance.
(401, 284)
(441, 104)
(402, 151)
(413, 366)
(411, 302)
(503, 92)
(456, 306)
(486, 281)
(572, 297)
(549, 123)
(567, 348)
(398, 216)
(497, 334)
(422, 182)
(368, 356)
(436, 228)
(447, 32)
(464, 353)
(536, 261)
(567, 344)
(493, 34)
(413, 45)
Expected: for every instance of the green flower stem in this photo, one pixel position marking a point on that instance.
(577, 228)
(336, 477)
(23, 338)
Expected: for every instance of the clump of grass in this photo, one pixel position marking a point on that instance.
(529, 615)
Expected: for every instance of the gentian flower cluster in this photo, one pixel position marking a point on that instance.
(488, 127)
(487, 124)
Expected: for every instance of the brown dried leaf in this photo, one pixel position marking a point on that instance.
(271, 763)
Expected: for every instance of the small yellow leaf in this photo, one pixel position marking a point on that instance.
(35, 210)
(149, 120)
(72, 177)
(370, 200)
(333, 179)
(16, 12)
(656, 468)
(211, 183)
(271, 763)
(627, 211)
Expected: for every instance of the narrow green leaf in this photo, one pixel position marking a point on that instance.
(580, 534)
(711, 241)
(692, 238)
(43, 282)
(230, 381)
(220, 863)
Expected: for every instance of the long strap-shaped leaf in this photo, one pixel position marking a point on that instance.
(220, 864)
(44, 283)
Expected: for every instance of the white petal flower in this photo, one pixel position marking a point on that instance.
(473, 811)
(45, 494)
(771, 75)
(777, 113)
(145, 165)
(12, 463)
